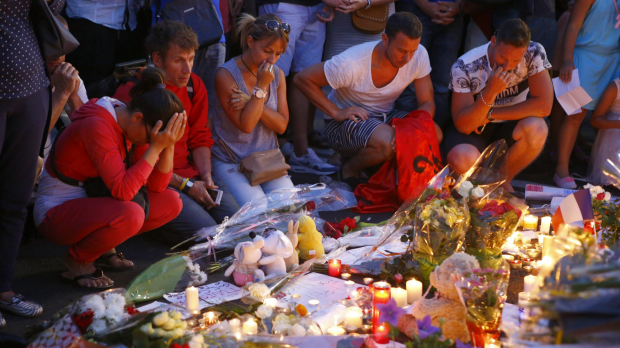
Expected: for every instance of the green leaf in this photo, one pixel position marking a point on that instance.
(357, 219)
(158, 344)
(157, 280)
(140, 339)
(346, 229)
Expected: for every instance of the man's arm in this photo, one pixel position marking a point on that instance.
(310, 80)
(424, 94)
(539, 105)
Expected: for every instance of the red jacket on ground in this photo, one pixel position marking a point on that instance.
(92, 146)
(197, 132)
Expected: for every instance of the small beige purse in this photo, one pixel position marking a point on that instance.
(262, 166)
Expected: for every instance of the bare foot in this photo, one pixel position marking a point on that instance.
(6, 296)
(75, 269)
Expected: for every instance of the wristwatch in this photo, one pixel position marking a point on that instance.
(188, 186)
(259, 93)
(489, 117)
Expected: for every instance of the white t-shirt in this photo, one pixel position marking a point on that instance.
(472, 70)
(349, 74)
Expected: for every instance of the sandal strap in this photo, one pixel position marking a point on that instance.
(107, 257)
(97, 274)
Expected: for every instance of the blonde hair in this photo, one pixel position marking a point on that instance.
(255, 27)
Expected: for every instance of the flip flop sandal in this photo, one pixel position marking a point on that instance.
(97, 274)
(103, 262)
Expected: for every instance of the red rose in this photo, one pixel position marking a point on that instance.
(399, 278)
(332, 230)
(348, 222)
(600, 196)
(175, 345)
(131, 310)
(83, 320)
(310, 206)
(186, 345)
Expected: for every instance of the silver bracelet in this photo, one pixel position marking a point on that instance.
(485, 103)
(367, 6)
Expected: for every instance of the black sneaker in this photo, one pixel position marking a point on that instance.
(18, 305)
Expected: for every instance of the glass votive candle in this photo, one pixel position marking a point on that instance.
(515, 264)
(336, 331)
(334, 267)
(345, 276)
(210, 318)
(530, 222)
(527, 261)
(368, 281)
(508, 257)
(366, 328)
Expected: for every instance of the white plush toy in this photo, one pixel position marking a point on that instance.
(277, 247)
(245, 267)
(293, 260)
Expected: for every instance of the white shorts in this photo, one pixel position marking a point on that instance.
(307, 36)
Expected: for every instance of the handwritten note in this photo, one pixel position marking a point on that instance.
(571, 95)
(209, 294)
(315, 286)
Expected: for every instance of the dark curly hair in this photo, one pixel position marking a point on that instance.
(165, 32)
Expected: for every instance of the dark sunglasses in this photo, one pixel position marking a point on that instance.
(273, 25)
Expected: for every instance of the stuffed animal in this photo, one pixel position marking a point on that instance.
(245, 267)
(293, 260)
(446, 303)
(310, 240)
(277, 247)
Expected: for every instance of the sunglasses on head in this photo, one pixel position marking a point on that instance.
(273, 25)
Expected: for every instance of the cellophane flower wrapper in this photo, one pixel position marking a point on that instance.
(275, 209)
(494, 218)
(279, 283)
(611, 168)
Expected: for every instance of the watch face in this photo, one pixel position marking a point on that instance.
(260, 94)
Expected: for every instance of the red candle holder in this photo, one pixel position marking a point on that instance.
(334, 268)
(381, 295)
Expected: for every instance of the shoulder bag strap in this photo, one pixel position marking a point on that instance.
(228, 151)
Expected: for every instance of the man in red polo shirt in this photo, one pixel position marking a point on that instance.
(172, 46)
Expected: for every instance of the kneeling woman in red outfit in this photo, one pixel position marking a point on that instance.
(131, 197)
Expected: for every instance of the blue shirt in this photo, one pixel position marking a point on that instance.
(109, 13)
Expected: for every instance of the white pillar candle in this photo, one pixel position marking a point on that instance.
(336, 331)
(545, 224)
(530, 284)
(191, 299)
(547, 242)
(235, 325)
(271, 302)
(250, 328)
(530, 222)
(353, 317)
(400, 296)
(414, 290)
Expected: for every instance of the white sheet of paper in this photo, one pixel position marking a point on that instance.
(570, 95)
(354, 256)
(209, 294)
(161, 306)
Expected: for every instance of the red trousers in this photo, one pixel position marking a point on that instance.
(93, 226)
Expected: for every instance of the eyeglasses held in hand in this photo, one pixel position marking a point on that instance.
(273, 25)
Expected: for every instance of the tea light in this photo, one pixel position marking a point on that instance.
(400, 296)
(368, 281)
(336, 331)
(334, 268)
(528, 269)
(527, 261)
(381, 334)
(530, 284)
(508, 257)
(345, 276)
(191, 299)
(366, 328)
(414, 290)
(314, 302)
(533, 252)
(195, 313)
(295, 297)
(250, 328)
(192, 323)
(530, 222)
(514, 264)
(353, 317)
(210, 318)
(545, 224)
(271, 302)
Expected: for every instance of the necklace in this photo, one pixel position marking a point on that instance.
(247, 67)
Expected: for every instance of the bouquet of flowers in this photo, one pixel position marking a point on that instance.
(483, 292)
(493, 220)
(606, 214)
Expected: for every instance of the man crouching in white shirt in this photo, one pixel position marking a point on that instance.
(366, 80)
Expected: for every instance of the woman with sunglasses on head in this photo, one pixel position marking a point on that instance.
(251, 105)
(96, 151)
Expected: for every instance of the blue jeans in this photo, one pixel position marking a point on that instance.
(194, 217)
(442, 43)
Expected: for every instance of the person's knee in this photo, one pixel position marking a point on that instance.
(131, 219)
(535, 131)
(462, 157)
(381, 141)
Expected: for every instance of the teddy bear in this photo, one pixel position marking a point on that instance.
(310, 240)
(245, 266)
(293, 260)
(446, 303)
(277, 247)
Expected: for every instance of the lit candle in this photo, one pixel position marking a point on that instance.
(210, 318)
(545, 224)
(400, 296)
(334, 268)
(235, 325)
(336, 331)
(250, 328)
(368, 281)
(353, 317)
(514, 264)
(313, 302)
(414, 290)
(527, 261)
(547, 242)
(381, 295)
(530, 284)
(271, 302)
(530, 222)
(381, 334)
(547, 264)
(508, 257)
(345, 276)
(191, 299)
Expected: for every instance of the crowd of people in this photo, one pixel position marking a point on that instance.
(149, 155)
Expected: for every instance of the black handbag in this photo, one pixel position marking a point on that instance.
(200, 15)
(96, 187)
(54, 39)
